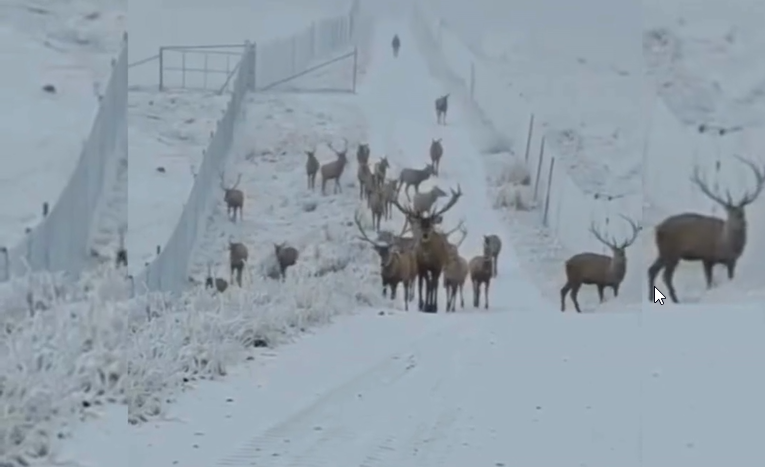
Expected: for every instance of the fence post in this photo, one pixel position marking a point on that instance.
(161, 67)
(254, 67)
(472, 80)
(539, 168)
(549, 189)
(355, 67)
(528, 139)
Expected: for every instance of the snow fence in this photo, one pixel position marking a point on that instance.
(261, 66)
(565, 209)
(61, 242)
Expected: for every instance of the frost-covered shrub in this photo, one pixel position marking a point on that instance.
(58, 357)
(172, 343)
(518, 197)
(511, 182)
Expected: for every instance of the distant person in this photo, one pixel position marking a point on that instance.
(396, 45)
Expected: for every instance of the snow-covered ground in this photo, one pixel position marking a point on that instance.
(68, 45)
(578, 66)
(416, 390)
(171, 129)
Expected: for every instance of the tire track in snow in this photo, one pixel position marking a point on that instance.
(377, 419)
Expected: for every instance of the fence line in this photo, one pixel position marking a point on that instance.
(566, 209)
(259, 67)
(61, 242)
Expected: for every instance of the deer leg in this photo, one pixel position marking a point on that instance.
(495, 261)
(615, 287)
(563, 292)
(601, 290)
(462, 297)
(239, 275)
(574, 295)
(476, 293)
(420, 279)
(730, 264)
(486, 295)
(384, 289)
(654, 271)
(708, 266)
(669, 272)
(323, 186)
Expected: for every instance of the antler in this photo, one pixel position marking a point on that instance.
(702, 184)
(364, 236)
(460, 227)
(759, 175)
(455, 197)
(612, 243)
(345, 148)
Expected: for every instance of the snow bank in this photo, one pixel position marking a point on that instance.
(61, 352)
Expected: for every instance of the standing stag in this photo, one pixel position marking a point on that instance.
(442, 106)
(599, 270)
(494, 245)
(397, 266)
(233, 197)
(237, 256)
(436, 152)
(698, 237)
(431, 251)
(334, 170)
(311, 168)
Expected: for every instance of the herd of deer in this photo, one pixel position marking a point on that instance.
(427, 253)
(682, 237)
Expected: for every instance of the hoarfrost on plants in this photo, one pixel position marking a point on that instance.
(60, 354)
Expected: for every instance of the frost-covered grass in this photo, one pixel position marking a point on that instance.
(61, 352)
(174, 342)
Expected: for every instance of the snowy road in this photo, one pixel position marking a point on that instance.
(398, 101)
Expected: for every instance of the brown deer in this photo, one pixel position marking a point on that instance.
(237, 255)
(286, 256)
(391, 190)
(414, 177)
(436, 152)
(397, 266)
(233, 197)
(432, 250)
(442, 106)
(366, 181)
(334, 170)
(381, 170)
(362, 154)
(596, 269)
(494, 245)
(698, 237)
(480, 274)
(311, 168)
(455, 274)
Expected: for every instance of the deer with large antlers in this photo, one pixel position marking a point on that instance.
(431, 250)
(397, 265)
(596, 269)
(334, 170)
(698, 237)
(233, 197)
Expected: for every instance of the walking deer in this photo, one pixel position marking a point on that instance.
(286, 257)
(431, 251)
(697, 237)
(494, 246)
(414, 177)
(238, 260)
(233, 197)
(442, 106)
(596, 269)
(436, 152)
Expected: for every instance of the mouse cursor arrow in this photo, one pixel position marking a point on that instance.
(658, 297)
